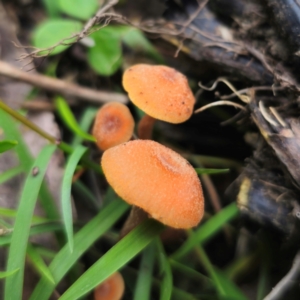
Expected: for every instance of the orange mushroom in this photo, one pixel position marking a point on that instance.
(161, 92)
(156, 179)
(113, 125)
(111, 289)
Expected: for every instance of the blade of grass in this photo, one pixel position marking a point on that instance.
(201, 171)
(69, 119)
(7, 145)
(83, 191)
(66, 192)
(207, 230)
(34, 230)
(38, 263)
(11, 173)
(165, 271)
(8, 124)
(16, 255)
(85, 122)
(114, 259)
(225, 287)
(83, 240)
(191, 273)
(11, 213)
(7, 274)
(144, 280)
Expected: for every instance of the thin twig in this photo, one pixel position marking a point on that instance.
(243, 98)
(278, 117)
(93, 21)
(256, 88)
(291, 278)
(60, 86)
(266, 114)
(219, 103)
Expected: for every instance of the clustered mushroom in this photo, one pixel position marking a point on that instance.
(113, 125)
(155, 179)
(111, 289)
(161, 92)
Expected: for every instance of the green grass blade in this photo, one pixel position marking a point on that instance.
(66, 192)
(7, 274)
(11, 213)
(7, 145)
(34, 230)
(225, 287)
(144, 281)
(38, 263)
(69, 119)
(11, 173)
(190, 273)
(166, 272)
(85, 122)
(16, 256)
(207, 230)
(114, 259)
(83, 240)
(11, 130)
(201, 171)
(211, 271)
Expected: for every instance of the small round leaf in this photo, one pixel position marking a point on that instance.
(106, 56)
(81, 9)
(53, 31)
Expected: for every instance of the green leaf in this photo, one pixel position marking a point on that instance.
(69, 119)
(17, 251)
(7, 145)
(83, 240)
(81, 9)
(66, 191)
(144, 280)
(7, 274)
(38, 263)
(201, 171)
(135, 39)
(53, 31)
(105, 57)
(207, 230)
(52, 8)
(166, 272)
(114, 259)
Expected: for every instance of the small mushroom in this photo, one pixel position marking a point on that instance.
(111, 289)
(161, 92)
(113, 125)
(157, 179)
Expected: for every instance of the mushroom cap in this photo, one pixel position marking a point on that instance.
(113, 125)
(157, 179)
(161, 92)
(111, 289)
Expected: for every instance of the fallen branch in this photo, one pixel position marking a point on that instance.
(60, 86)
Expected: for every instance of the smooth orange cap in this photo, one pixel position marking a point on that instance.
(111, 289)
(113, 125)
(157, 179)
(161, 92)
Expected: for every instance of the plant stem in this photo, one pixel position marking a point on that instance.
(61, 145)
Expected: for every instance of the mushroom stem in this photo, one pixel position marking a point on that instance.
(145, 127)
(136, 216)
